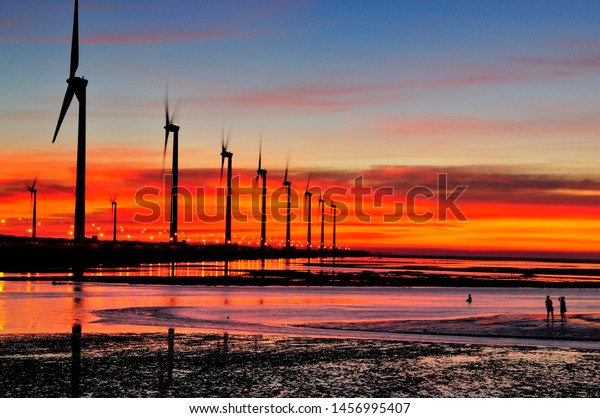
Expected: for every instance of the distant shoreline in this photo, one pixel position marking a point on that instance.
(291, 278)
(63, 261)
(22, 255)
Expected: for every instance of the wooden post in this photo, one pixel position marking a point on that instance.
(170, 355)
(75, 360)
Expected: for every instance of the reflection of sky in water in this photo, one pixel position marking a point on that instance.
(41, 307)
(454, 267)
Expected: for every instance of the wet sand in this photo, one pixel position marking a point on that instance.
(135, 365)
(578, 327)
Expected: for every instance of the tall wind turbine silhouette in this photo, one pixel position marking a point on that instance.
(171, 127)
(113, 203)
(334, 215)
(76, 87)
(262, 173)
(322, 207)
(33, 194)
(288, 185)
(308, 198)
(229, 155)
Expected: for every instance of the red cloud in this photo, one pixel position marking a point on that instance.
(312, 96)
(454, 125)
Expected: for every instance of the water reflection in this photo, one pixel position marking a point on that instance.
(78, 308)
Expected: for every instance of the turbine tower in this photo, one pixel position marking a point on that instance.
(262, 173)
(76, 87)
(308, 198)
(33, 194)
(322, 207)
(229, 155)
(113, 203)
(288, 185)
(334, 215)
(171, 127)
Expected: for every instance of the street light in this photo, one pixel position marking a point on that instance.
(26, 225)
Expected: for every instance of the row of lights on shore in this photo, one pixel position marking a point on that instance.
(203, 239)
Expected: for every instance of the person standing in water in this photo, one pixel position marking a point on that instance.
(563, 308)
(549, 309)
(469, 299)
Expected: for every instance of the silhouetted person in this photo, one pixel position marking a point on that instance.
(549, 309)
(563, 308)
(469, 299)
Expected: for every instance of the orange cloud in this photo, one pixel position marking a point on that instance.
(506, 208)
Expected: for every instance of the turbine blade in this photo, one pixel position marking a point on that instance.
(174, 113)
(228, 136)
(260, 151)
(287, 164)
(63, 111)
(34, 182)
(308, 182)
(223, 148)
(259, 160)
(166, 141)
(167, 119)
(75, 42)
(165, 150)
(222, 164)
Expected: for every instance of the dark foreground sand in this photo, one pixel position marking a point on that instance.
(135, 365)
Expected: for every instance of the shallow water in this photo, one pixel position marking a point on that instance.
(560, 271)
(40, 307)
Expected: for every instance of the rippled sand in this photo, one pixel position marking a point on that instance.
(134, 365)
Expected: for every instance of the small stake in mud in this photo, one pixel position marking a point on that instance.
(170, 355)
(75, 360)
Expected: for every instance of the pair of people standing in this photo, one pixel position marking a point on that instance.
(550, 308)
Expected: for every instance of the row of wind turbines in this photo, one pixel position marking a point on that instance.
(76, 87)
(260, 179)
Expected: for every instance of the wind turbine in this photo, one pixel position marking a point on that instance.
(113, 203)
(229, 155)
(33, 194)
(308, 198)
(288, 185)
(322, 207)
(262, 173)
(76, 87)
(171, 127)
(333, 214)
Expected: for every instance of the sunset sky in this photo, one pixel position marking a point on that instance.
(503, 97)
